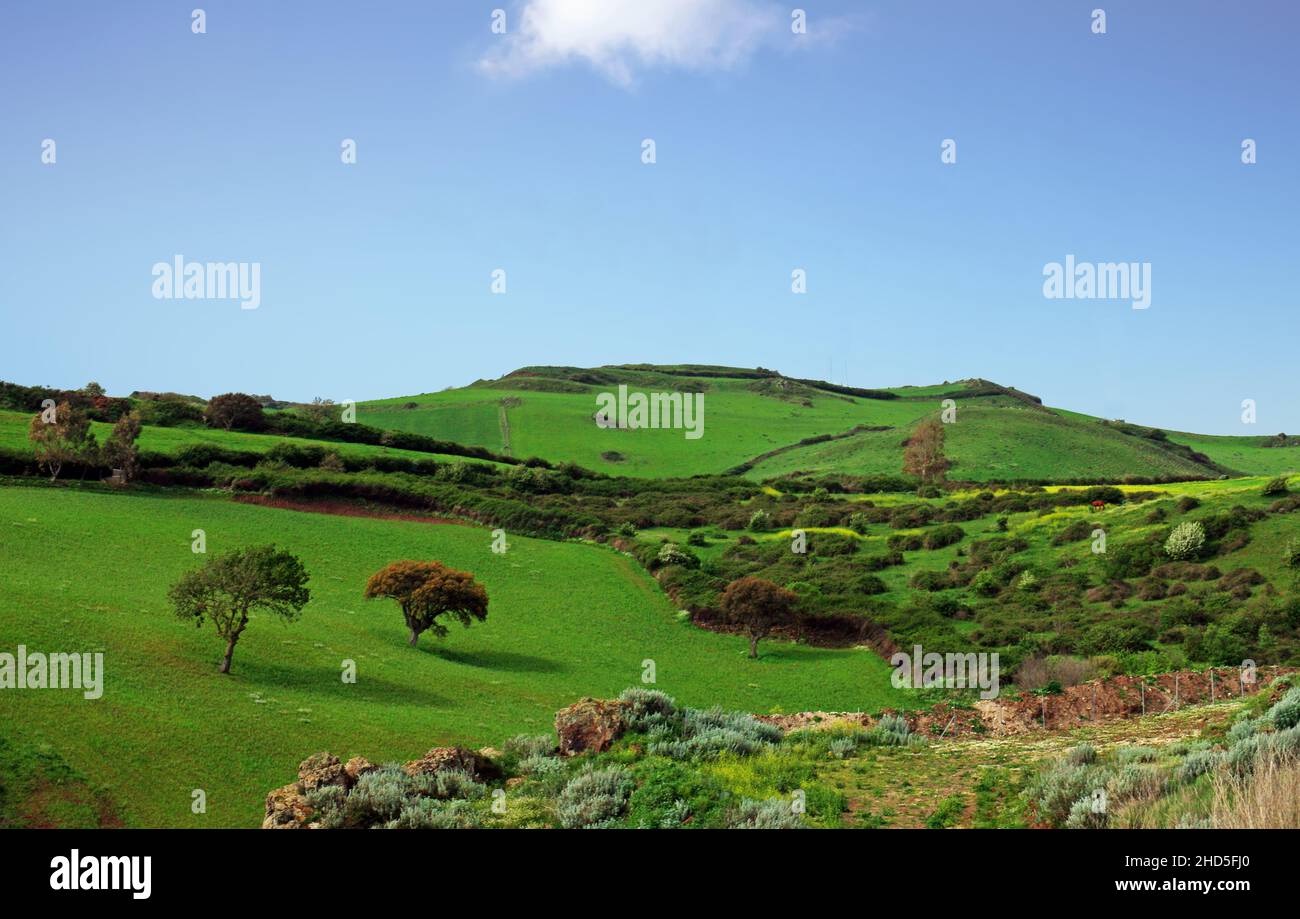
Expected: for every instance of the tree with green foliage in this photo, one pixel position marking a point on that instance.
(759, 607)
(427, 590)
(235, 411)
(229, 587)
(120, 451)
(61, 434)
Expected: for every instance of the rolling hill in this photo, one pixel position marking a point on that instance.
(766, 425)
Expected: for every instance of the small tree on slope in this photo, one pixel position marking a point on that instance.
(923, 456)
(428, 590)
(230, 587)
(758, 606)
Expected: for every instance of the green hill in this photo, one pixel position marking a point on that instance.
(760, 422)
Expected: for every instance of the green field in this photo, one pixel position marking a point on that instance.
(89, 570)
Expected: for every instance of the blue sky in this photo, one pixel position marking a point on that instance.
(522, 151)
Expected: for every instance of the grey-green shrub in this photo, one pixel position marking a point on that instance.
(594, 798)
(1084, 815)
(772, 814)
(429, 814)
(1056, 788)
(1082, 754)
(1197, 764)
(648, 709)
(1134, 782)
(1126, 755)
(706, 733)
(525, 746)
(456, 783)
(1241, 730)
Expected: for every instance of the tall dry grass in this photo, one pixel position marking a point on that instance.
(1268, 798)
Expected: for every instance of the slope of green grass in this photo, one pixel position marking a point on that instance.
(551, 410)
(996, 439)
(14, 426)
(1244, 454)
(739, 424)
(88, 570)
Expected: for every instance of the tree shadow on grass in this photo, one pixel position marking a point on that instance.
(267, 679)
(507, 661)
(805, 653)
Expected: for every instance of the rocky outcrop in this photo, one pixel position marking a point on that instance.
(590, 725)
(441, 759)
(287, 807)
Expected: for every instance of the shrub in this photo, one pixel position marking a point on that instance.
(594, 798)
(760, 520)
(525, 746)
(1186, 540)
(672, 554)
(1127, 755)
(1081, 755)
(1197, 764)
(985, 584)
(711, 732)
(943, 536)
(859, 522)
(1275, 487)
(1291, 554)
(1055, 790)
(931, 580)
(870, 584)
(1286, 714)
(648, 709)
(1079, 529)
(1085, 814)
(772, 814)
(429, 814)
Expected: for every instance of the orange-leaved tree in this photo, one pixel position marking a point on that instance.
(427, 590)
(923, 456)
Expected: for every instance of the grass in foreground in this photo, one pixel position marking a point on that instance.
(88, 571)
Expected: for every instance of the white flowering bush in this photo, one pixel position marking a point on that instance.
(1186, 541)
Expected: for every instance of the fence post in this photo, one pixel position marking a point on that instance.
(1044, 712)
(1211, 685)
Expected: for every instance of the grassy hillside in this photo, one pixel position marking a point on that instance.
(89, 571)
(1245, 454)
(552, 415)
(998, 439)
(758, 418)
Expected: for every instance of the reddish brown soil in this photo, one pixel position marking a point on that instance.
(1116, 698)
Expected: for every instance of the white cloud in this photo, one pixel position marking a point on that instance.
(620, 38)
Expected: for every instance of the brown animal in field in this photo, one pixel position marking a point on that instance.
(1098, 505)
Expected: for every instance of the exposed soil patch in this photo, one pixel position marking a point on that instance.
(1115, 699)
(342, 509)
